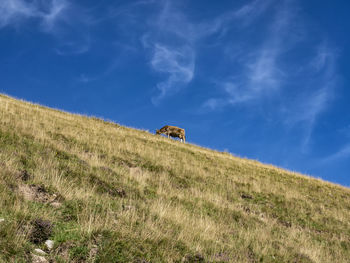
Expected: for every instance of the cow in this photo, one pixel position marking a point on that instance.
(173, 132)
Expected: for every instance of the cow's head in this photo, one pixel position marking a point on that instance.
(157, 132)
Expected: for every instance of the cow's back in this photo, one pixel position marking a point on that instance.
(175, 129)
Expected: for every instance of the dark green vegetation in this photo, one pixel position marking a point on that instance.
(107, 193)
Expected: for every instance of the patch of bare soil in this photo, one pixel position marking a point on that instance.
(63, 250)
(223, 257)
(39, 193)
(104, 187)
(194, 258)
(41, 231)
(94, 248)
(135, 171)
(246, 196)
(24, 175)
(302, 258)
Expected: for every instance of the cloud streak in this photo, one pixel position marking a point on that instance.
(56, 11)
(68, 24)
(318, 92)
(13, 12)
(343, 153)
(177, 63)
(251, 11)
(266, 73)
(260, 72)
(172, 41)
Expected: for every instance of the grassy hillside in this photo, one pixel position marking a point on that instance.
(107, 193)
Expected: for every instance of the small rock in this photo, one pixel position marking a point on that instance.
(49, 244)
(38, 259)
(2, 220)
(39, 252)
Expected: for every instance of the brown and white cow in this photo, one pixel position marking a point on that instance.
(173, 132)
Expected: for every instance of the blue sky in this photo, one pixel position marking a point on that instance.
(262, 79)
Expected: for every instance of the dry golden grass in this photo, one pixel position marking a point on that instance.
(137, 196)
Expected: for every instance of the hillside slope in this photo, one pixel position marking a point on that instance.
(107, 193)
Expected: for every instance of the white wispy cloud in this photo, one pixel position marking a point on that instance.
(341, 154)
(262, 72)
(214, 104)
(251, 11)
(309, 110)
(319, 86)
(87, 78)
(13, 12)
(76, 45)
(172, 40)
(177, 63)
(72, 48)
(318, 90)
(59, 18)
(55, 12)
(345, 131)
(324, 61)
(261, 75)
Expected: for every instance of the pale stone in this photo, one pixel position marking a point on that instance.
(2, 220)
(39, 251)
(38, 259)
(56, 204)
(49, 244)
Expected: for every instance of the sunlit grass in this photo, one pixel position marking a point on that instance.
(137, 196)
